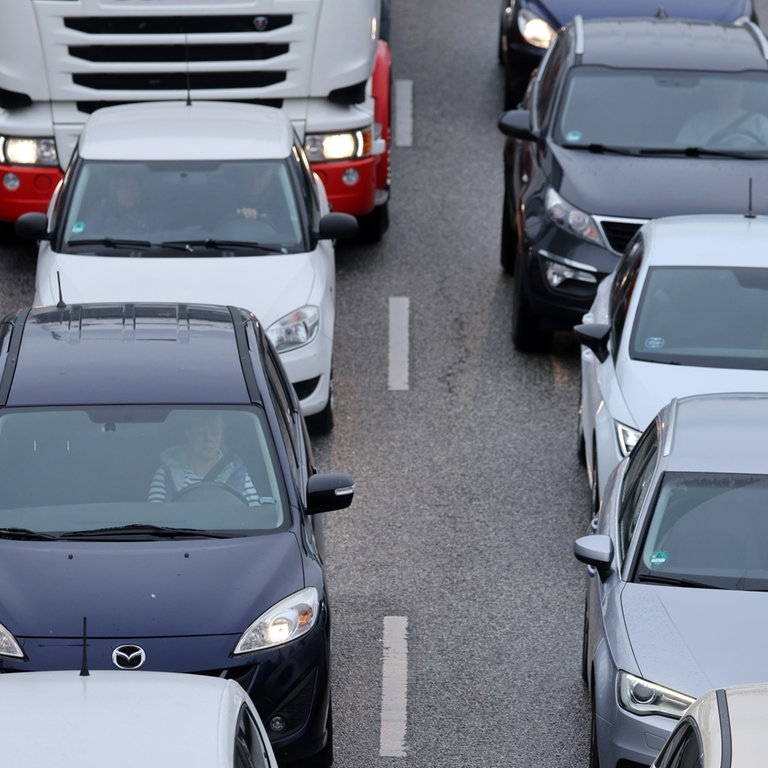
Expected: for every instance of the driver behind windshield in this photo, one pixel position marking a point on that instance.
(202, 458)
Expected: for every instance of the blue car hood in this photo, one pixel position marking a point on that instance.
(559, 12)
(139, 589)
(649, 187)
(693, 640)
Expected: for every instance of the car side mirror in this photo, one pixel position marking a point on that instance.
(337, 226)
(516, 123)
(327, 491)
(596, 550)
(594, 336)
(32, 226)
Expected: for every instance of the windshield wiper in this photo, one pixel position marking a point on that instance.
(745, 154)
(657, 578)
(26, 534)
(218, 245)
(143, 529)
(603, 149)
(112, 242)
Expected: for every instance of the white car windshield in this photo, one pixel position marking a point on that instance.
(653, 110)
(137, 470)
(714, 317)
(708, 530)
(182, 208)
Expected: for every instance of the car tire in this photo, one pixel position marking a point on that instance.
(584, 649)
(508, 239)
(373, 225)
(581, 447)
(322, 423)
(514, 88)
(594, 757)
(594, 484)
(527, 333)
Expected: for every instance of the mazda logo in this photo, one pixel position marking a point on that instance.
(128, 656)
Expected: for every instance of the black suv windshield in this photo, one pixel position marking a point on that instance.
(183, 208)
(666, 111)
(137, 472)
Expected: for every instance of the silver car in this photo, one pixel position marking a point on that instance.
(677, 584)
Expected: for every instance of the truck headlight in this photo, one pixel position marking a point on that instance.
(28, 151)
(285, 621)
(295, 330)
(327, 147)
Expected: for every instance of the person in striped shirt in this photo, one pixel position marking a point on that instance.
(201, 459)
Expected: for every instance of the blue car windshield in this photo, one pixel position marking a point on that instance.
(138, 468)
(708, 529)
(715, 317)
(654, 110)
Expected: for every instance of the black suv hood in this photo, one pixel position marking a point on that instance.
(649, 187)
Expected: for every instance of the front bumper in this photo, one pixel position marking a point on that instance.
(358, 198)
(25, 188)
(291, 682)
(309, 370)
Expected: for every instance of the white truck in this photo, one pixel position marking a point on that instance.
(327, 63)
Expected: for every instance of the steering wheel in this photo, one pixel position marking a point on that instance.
(736, 138)
(209, 492)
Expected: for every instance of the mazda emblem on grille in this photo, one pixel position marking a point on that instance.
(128, 656)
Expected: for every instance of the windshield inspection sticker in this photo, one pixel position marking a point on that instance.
(573, 136)
(78, 227)
(658, 558)
(654, 342)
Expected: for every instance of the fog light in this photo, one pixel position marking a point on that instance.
(277, 724)
(350, 177)
(11, 182)
(558, 272)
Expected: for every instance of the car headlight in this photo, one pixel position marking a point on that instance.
(558, 270)
(8, 644)
(28, 151)
(326, 147)
(627, 437)
(572, 219)
(535, 30)
(295, 330)
(642, 697)
(285, 621)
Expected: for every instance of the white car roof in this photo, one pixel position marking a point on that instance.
(175, 130)
(118, 719)
(707, 240)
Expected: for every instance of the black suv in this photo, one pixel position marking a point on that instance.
(626, 120)
(156, 480)
(528, 27)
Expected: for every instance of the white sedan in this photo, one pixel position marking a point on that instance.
(129, 719)
(685, 312)
(207, 203)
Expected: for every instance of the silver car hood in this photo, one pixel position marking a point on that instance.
(693, 640)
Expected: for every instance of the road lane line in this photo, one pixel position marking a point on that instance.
(394, 687)
(403, 113)
(399, 309)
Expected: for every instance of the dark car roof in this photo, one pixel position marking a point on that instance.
(91, 354)
(562, 11)
(671, 44)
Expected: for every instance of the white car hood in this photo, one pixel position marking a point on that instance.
(648, 387)
(269, 286)
(693, 640)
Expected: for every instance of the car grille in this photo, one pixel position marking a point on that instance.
(618, 232)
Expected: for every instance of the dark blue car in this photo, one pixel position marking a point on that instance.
(527, 27)
(157, 489)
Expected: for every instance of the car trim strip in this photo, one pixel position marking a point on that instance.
(242, 352)
(725, 728)
(9, 368)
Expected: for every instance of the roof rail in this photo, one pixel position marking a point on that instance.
(757, 33)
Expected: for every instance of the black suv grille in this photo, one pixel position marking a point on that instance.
(618, 233)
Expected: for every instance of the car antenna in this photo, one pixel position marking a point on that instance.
(61, 303)
(186, 58)
(84, 663)
(750, 212)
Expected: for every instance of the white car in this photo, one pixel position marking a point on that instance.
(129, 719)
(685, 312)
(204, 202)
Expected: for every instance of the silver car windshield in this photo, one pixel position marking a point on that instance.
(708, 530)
(183, 208)
(671, 111)
(130, 470)
(714, 317)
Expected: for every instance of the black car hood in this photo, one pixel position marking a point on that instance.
(648, 187)
(139, 589)
(559, 12)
